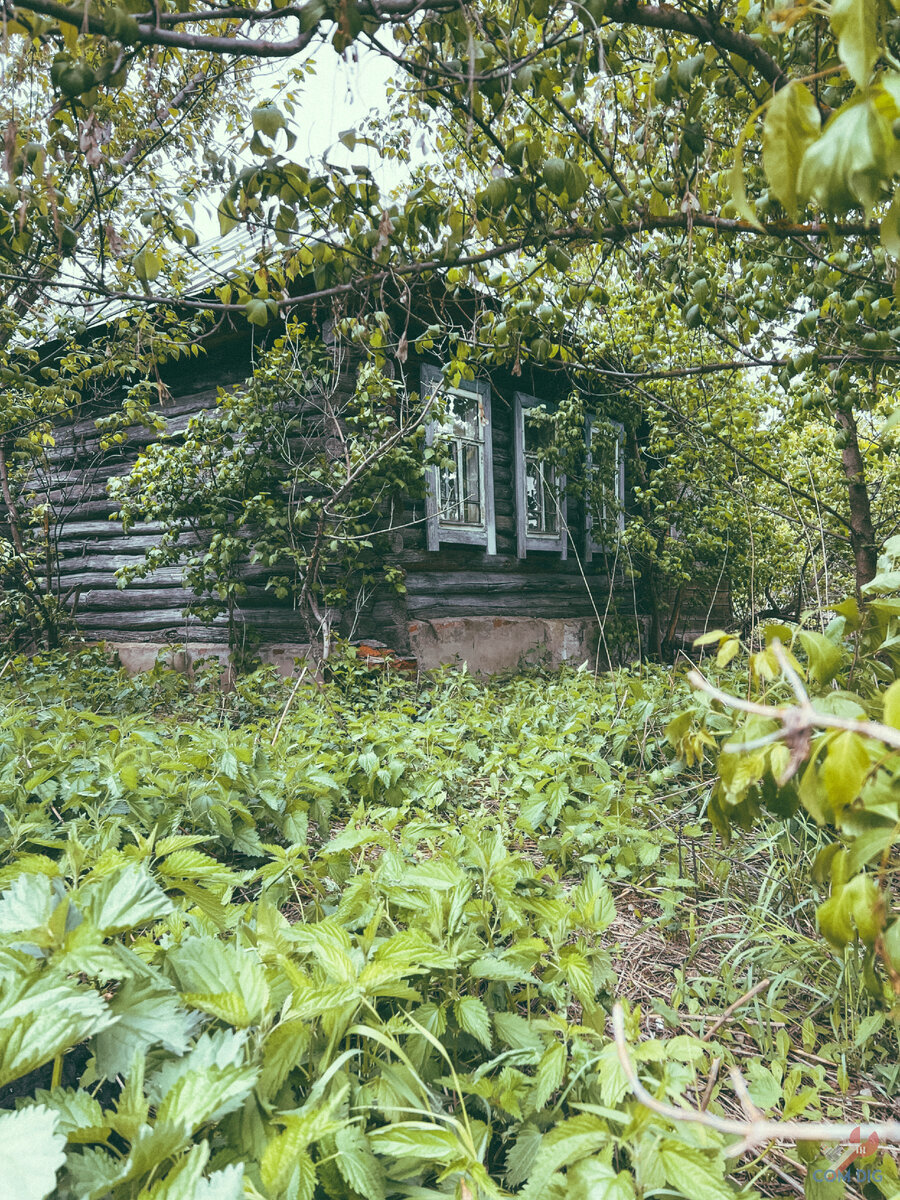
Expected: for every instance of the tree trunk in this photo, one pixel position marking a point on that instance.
(862, 533)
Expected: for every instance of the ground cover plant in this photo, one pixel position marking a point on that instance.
(364, 940)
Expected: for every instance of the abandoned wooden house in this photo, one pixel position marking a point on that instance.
(501, 567)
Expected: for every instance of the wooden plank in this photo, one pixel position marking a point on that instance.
(546, 605)
(161, 636)
(110, 529)
(472, 583)
(85, 558)
(155, 619)
(137, 598)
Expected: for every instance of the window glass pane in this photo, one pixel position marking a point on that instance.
(541, 508)
(461, 499)
(471, 482)
(462, 417)
(605, 449)
(450, 508)
(541, 499)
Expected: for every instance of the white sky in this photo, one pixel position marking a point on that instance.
(340, 95)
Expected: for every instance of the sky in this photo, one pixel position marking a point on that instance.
(340, 95)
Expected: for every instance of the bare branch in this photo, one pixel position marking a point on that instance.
(752, 1132)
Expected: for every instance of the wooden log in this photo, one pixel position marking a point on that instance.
(538, 605)
(471, 583)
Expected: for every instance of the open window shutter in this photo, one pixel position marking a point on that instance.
(525, 541)
(436, 532)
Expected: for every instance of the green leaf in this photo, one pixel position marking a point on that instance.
(884, 583)
(417, 1139)
(227, 1184)
(549, 1075)
(358, 1165)
(592, 1179)
(614, 1083)
(890, 239)
(554, 173)
(570, 1140)
(693, 1173)
(206, 1095)
(765, 1090)
(727, 651)
(517, 1033)
(847, 165)
(714, 636)
(222, 979)
(80, 1117)
(792, 124)
(823, 654)
(855, 25)
(123, 900)
(42, 1016)
(844, 770)
(257, 312)
(868, 1027)
(28, 903)
(146, 265)
(817, 1187)
(267, 119)
(854, 907)
(891, 705)
(472, 1017)
(147, 1013)
(736, 178)
(31, 1151)
(594, 904)
(523, 1153)
(183, 1181)
(285, 1166)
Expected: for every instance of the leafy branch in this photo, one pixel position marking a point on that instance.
(797, 721)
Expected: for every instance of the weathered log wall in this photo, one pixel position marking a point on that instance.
(455, 581)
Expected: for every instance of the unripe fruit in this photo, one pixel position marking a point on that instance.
(76, 79)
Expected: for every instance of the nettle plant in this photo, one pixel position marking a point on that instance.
(293, 479)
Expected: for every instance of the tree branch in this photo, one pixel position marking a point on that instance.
(754, 1130)
(154, 29)
(797, 721)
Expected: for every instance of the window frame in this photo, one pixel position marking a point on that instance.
(590, 546)
(525, 541)
(436, 532)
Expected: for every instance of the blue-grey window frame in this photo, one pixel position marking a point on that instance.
(590, 546)
(436, 532)
(558, 542)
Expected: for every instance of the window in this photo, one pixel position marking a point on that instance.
(459, 498)
(540, 494)
(610, 459)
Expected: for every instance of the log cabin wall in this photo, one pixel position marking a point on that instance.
(91, 547)
(493, 610)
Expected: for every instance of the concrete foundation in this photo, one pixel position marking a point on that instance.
(486, 645)
(143, 656)
(492, 645)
